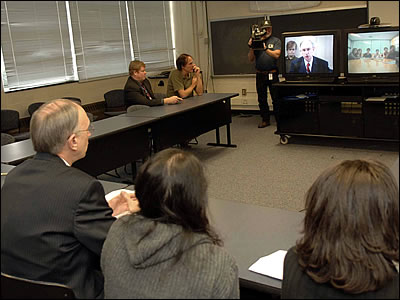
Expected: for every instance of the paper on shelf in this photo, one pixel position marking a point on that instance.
(112, 194)
(270, 265)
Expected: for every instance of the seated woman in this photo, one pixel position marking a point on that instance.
(350, 246)
(168, 250)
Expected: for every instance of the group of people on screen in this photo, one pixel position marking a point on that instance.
(357, 53)
(58, 227)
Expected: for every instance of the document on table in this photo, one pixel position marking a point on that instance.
(270, 265)
(112, 194)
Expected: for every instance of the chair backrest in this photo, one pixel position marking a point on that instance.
(7, 139)
(19, 288)
(75, 99)
(115, 99)
(9, 120)
(136, 107)
(33, 107)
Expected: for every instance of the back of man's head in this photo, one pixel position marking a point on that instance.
(52, 124)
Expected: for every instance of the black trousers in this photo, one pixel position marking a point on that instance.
(262, 84)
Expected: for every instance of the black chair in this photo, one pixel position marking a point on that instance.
(10, 124)
(77, 100)
(115, 102)
(33, 107)
(6, 139)
(19, 288)
(136, 107)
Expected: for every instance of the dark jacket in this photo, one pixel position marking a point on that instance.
(54, 220)
(134, 94)
(319, 66)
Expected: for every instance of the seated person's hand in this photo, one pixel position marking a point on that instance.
(173, 100)
(194, 81)
(250, 42)
(196, 70)
(124, 202)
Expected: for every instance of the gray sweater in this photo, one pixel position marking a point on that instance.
(148, 269)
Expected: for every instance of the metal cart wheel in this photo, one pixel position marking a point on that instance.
(284, 139)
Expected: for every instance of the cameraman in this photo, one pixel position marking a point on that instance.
(267, 70)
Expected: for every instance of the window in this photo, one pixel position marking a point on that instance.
(35, 44)
(101, 38)
(151, 34)
(49, 42)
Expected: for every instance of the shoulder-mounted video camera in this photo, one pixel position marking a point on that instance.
(258, 32)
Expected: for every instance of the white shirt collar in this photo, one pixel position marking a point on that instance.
(311, 61)
(65, 162)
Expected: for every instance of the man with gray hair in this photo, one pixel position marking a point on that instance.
(54, 217)
(309, 63)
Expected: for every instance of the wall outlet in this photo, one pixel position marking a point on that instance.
(244, 92)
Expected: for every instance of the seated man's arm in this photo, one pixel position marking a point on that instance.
(188, 92)
(133, 95)
(93, 217)
(199, 87)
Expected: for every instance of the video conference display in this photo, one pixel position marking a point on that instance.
(373, 52)
(309, 54)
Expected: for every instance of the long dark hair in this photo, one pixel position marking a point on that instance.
(172, 188)
(351, 227)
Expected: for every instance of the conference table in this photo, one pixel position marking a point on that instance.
(371, 65)
(114, 143)
(123, 139)
(250, 232)
(175, 124)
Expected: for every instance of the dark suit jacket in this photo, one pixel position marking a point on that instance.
(319, 66)
(54, 220)
(134, 94)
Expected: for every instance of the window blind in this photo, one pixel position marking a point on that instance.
(35, 44)
(101, 38)
(151, 34)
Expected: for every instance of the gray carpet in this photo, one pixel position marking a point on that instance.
(264, 172)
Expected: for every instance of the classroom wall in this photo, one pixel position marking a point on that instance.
(191, 36)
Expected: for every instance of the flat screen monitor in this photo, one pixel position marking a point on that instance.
(372, 54)
(311, 56)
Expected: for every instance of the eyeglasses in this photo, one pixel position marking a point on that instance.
(90, 129)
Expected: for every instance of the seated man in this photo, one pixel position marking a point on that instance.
(54, 217)
(138, 88)
(368, 54)
(185, 79)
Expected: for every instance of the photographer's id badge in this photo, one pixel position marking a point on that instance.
(270, 76)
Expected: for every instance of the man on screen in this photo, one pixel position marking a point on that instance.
(368, 54)
(309, 63)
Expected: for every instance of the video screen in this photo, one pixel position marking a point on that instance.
(373, 52)
(309, 54)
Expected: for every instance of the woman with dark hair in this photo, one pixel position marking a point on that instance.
(185, 79)
(168, 250)
(350, 246)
